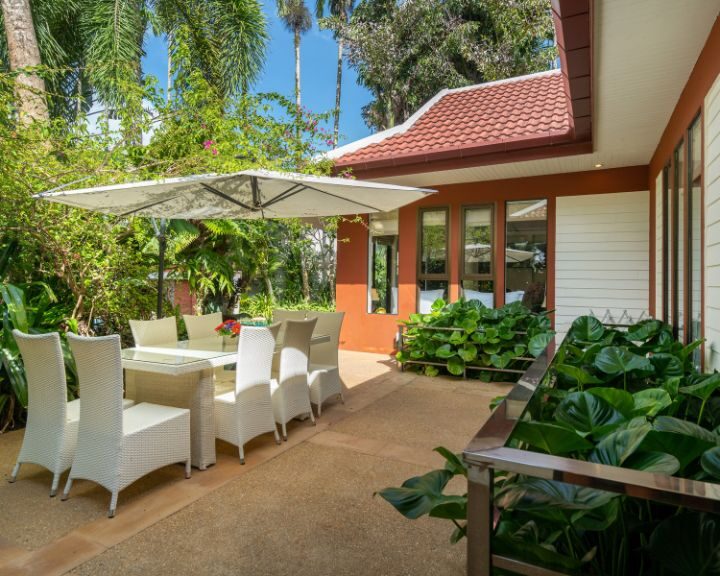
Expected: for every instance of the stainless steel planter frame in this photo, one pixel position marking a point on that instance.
(487, 452)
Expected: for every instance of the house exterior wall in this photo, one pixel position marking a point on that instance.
(712, 226)
(699, 97)
(601, 263)
(377, 332)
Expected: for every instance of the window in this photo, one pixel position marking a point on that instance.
(679, 232)
(667, 247)
(383, 263)
(526, 253)
(433, 267)
(476, 275)
(695, 236)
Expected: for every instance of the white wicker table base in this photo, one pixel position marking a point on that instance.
(193, 390)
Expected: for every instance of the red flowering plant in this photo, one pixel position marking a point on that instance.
(228, 328)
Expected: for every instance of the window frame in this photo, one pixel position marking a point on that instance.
(462, 275)
(419, 275)
(370, 278)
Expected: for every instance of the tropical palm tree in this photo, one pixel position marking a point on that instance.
(97, 45)
(298, 20)
(339, 13)
(22, 51)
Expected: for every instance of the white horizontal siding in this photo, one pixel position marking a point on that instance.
(712, 226)
(601, 257)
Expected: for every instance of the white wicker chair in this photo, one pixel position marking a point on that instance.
(290, 393)
(324, 373)
(202, 326)
(52, 424)
(247, 412)
(115, 446)
(154, 332)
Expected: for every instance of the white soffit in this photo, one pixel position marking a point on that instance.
(644, 51)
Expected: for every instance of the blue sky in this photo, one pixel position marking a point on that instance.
(318, 53)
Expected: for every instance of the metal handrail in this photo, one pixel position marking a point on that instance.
(487, 452)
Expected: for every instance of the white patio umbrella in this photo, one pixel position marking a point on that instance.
(249, 194)
(482, 251)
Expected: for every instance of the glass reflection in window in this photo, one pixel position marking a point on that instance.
(526, 253)
(383, 264)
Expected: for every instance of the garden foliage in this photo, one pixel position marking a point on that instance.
(632, 399)
(467, 334)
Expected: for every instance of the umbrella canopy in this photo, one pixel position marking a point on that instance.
(248, 194)
(482, 252)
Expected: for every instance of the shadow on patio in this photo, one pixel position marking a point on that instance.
(303, 508)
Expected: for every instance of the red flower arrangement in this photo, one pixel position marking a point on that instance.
(228, 328)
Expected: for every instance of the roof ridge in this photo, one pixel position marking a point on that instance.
(405, 126)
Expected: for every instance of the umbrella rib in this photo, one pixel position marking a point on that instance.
(285, 195)
(343, 199)
(227, 197)
(146, 206)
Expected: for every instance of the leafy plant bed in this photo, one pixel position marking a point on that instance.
(467, 339)
(631, 399)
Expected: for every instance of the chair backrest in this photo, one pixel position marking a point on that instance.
(282, 316)
(295, 353)
(256, 346)
(328, 324)
(202, 326)
(154, 332)
(47, 389)
(100, 374)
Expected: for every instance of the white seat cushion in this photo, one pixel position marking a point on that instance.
(146, 415)
(73, 408)
(226, 398)
(515, 296)
(487, 299)
(427, 297)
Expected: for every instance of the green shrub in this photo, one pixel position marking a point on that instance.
(631, 399)
(466, 334)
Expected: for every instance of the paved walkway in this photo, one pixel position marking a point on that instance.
(305, 507)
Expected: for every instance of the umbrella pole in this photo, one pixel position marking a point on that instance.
(162, 245)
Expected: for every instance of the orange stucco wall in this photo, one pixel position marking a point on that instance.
(376, 332)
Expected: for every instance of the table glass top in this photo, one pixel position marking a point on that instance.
(189, 351)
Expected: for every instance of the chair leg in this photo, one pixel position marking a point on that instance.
(55, 483)
(342, 397)
(15, 472)
(277, 437)
(241, 452)
(312, 417)
(113, 505)
(188, 470)
(319, 408)
(284, 431)
(68, 486)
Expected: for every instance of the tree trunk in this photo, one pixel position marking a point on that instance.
(297, 70)
(23, 51)
(338, 90)
(305, 277)
(268, 286)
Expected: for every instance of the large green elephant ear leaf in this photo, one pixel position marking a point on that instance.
(710, 462)
(587, 329)
(615, 360)
(418, 495)
(587, 414)
(538, 343)
(550, 438)
(687, 544)
(617, 447)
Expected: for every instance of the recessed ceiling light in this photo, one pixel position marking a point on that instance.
(598, 165)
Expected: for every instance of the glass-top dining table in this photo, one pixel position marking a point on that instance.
(183, 374)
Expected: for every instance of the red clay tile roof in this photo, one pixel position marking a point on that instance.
(527, 111)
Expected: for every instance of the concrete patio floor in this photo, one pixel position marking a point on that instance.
(305, 507)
